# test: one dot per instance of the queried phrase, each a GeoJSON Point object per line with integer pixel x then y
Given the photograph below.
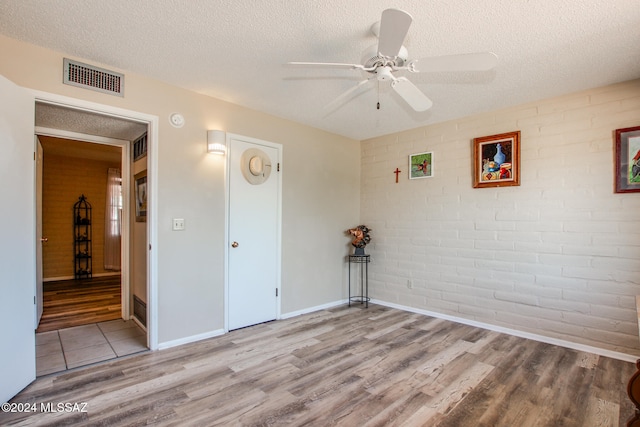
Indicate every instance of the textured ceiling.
{"type": "Point", "coordinates": [83, 122]}
{"type": "Point", "coordinates": [235, 50]}
{"type": "Point", "coordinates": [62, 118]}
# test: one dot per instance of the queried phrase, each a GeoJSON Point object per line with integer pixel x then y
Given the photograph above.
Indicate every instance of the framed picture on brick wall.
{"type": "Point", "coordinates": [496, 160]}
{"type": "Point", "coordinates": [627, 160]}
{"type": "Point", "coordinates": [421, 165]}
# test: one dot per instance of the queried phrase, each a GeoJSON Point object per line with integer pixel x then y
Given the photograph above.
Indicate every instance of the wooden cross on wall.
{"type": "Point", "coordinates": [397, 172]}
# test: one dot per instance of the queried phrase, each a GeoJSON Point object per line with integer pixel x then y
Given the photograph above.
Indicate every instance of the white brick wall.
{"type": "Point", "coordinates": [558, 256]}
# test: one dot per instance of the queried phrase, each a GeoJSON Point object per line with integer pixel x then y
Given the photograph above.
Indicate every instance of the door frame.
{"type": "Point", "coordinates": [227, 238]}
{"type": "Point", "coordinates": [38, 178]}
{"type": "Point", "coordinates": [152, 123]}
{"type": "Point", "coordinates": [125, 167]}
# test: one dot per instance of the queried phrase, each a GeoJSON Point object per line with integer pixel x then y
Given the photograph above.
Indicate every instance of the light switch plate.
{"type": "Point", "coordinates": [178, 224]}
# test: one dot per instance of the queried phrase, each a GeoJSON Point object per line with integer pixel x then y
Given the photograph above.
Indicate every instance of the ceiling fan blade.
{"type": "Point", "coordinates": [410, 93]}
{"type": "Point", "coordinates": [482, 61]}
{"type": "Point", "coordinates": [394, 26]}
{"type": "Point", "coordinates": [326, 65]}
{"type": "Point", "coordinates": [347, 96]}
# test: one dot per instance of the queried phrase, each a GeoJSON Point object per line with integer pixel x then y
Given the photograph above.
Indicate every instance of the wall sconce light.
{"type": "Point", "coordinates": [216, 141]}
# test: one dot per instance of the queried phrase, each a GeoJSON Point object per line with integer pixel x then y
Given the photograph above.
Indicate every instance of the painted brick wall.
{"type": "Point", "coordinates": [558, 256]}
{"type": "Point", "coordinates": [64, 180]}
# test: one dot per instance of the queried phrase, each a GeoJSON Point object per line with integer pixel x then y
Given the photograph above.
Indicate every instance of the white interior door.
{"type": "Point", "coordinates": [40, 239]}
{"type": "Point", "coordinates": [254, 232]}
{"type": "Point", "coordinates": [17, 240]}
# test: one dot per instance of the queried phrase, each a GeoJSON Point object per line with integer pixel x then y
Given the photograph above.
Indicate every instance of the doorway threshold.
{"type": "Point", "coordinates": [71, 348]}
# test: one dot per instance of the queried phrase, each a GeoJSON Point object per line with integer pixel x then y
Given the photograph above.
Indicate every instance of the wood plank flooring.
{"type": "Point", "coordinates": [348, 367]}
{"type": "Point", "coordinates": [70, 303]}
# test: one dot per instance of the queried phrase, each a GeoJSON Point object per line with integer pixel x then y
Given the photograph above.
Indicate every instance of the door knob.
{"type": "Point", "coordinates": [44, 239]}
{"type": "Point", "coordinates": [234, 245]}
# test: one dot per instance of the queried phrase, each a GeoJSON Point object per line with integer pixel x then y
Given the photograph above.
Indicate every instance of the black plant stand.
{"type": "Point", "coordinates": [82, 239]}
{"type": "Point", "coordinates": [363, 262]}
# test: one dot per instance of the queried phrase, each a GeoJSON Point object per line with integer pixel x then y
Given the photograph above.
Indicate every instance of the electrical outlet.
{"type": "Point", "coordinates": [178, 224]}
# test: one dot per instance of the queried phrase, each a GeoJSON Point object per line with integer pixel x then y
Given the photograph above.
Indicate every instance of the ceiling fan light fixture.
{"type": "Point", "coordinates": [384, 74]}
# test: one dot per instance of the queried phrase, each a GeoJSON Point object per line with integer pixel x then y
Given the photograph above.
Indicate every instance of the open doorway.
{"type": "Point", "coordinates": [88, 292]}
{"type": "Point", "coordinates": [81, 257]}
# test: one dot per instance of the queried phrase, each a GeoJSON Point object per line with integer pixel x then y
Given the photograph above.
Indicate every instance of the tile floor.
{"type": "Point", "coordinates": [83, 345]}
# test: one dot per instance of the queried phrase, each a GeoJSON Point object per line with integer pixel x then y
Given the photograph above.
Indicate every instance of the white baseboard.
{"type": "Point", "coordinates": [112, 273]}
{"type": "Point", "coordinates": [312, 309]}
{"type": "Point", "coordinates": [540, 338]}
{"type": "Point", "coordinates": [535, 337]}
{"type": "Point", "coordinates": [137, 322]}
{"type": "Point", "coordinates": [218, 332]}
{"type": "Point", "coordinates": [57, 279]}
{"type": "Point", "coordinates": [193, 338]}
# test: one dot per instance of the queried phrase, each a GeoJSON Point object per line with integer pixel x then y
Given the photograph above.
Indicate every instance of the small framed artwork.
{"type": "Point", "coordinates": [141, 196]}
{"type": "Point", "coordinates": [421, 165]}
{"type": "Point", "coordinates": [496, 160]}
{"type": "Point", "coordinates": [627, 161]}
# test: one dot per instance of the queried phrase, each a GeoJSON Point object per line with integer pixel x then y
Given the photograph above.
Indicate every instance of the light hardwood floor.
{"type": "Point", "coordinates": [69, 303]}
{"type": "Point", "coordinates": [345, 366]}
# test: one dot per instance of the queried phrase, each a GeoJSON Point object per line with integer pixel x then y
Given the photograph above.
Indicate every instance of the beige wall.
{"type": "Point", "coordinates": [320, 197]}
{"type": "Point", "coordinates": [558, 256]}
{"type": "Point", "coordinates": [64, 180]}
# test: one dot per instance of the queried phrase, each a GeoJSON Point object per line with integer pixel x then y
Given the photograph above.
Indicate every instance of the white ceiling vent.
{"type": "Point", "coordinates": [94, 78]}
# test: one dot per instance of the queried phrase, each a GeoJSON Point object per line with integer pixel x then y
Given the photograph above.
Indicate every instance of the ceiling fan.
{"type": "Point", "coordinates": [389, 55]}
